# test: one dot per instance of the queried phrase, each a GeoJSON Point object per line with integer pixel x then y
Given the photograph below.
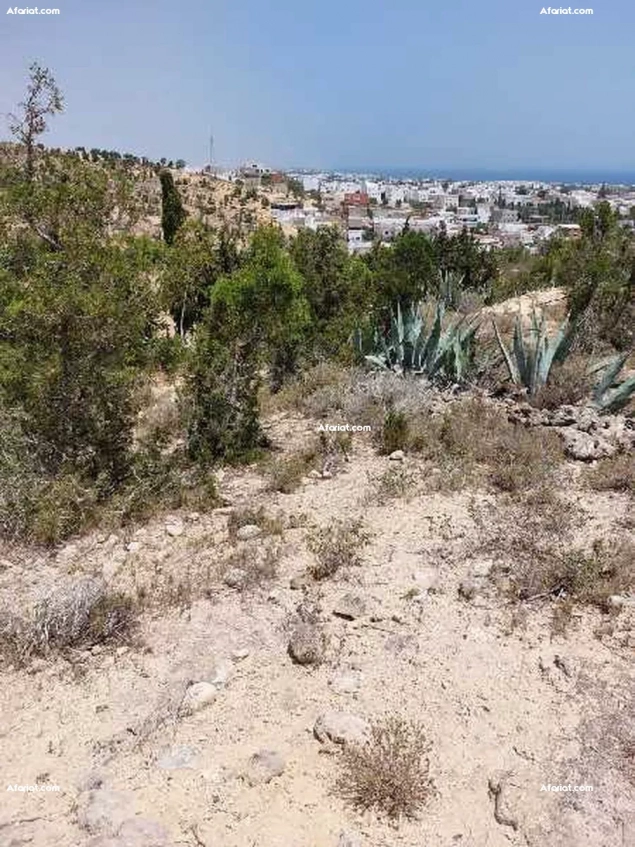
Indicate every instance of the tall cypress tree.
{"type": "Point", "coordinates": [172, 211]}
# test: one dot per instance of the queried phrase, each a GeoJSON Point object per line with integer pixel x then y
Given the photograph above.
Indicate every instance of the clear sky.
{"type": "Point", "coordinates": [337, 83]}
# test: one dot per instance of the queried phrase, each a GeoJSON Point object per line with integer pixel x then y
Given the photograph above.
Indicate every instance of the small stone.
{"type": "Point", "coordinates": [174, 528]}
{"type": "Point", "coordinates": [220, 675]}
{"type": "Point", "coordinates": [426, 579]}
{"type": "Point", "coordinates": [346, 683]}
{"type": "Point", "coordinates": [470, 588]}
{"type": "Point", "coordinates": [133, 546]}
{"type": "Point", "coordinates": [618, 601]}
{"type": "Point", "coordinates": [197, 696]}
{"type": "Point", "coordinates": [177, 758]}
{"type": "Point", "coordinates": [300, 581]}
{"type": "Point", "coordinates": [341, 728]}
{"type": "Point", "coordinates": [103, 811]}
{"type": "Point", "coordinates": [235, 578]}
{"type": "Point", "coordinates": [307, 644]}
{"type": "Point", "coordinates": [37, 665]}
{"type": "Point", "coordinates": [263, 766]}
{"type": "Point", "coordinates": [194, 517]}
{"type": "Point", "coordinates": [142, 832]}
{"type": "Point", "coordinates": [240, 653]}
{"type": "Point", "coordinates": [350, 606]}
{"type": "Point", "coordinates": [397, 456]}
{"type": "Point", "coordinates": [327, 474]}
{"type": "Point", "coordinates": [96, 649]}
{"type": "Point", "coordinates": [348, 839]}
{"type": "Point", "coordinates": [250, 530]}
{"type": "Point", "coordinates": [585, 447]}
{"type": "Point", "coordinates": [315, 474]}
{"type": "Point", "coordinates": [483, 568]}
{"type": "Point", "coordinates": [121, 651]}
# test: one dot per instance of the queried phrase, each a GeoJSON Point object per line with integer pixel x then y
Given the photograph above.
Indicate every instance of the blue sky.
{"type": "Point", "coordinates": [445, 84]}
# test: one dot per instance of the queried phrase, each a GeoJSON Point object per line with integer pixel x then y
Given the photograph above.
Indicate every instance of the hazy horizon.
{"type": "Point", "coordinates": [436, 88]}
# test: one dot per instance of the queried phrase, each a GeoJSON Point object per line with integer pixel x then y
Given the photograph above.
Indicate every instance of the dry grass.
{"type": "Point", "coordinates": [586, 576]}
{"type": "Point", "coordinates": [614, 474]}
{"type": "Point", "coordinates": [257, 565]}
{"type": "Point", "coordinates": [78, 613]}
{"type": "Point", "coordinates": [473, 442]}
{"type": "Point", "coordinates": [325, 452]}
{"type": "Point", "coordinates": [390, 773]}
{"type": "Point", "coordinates": [258, 517]}
{"type": "Point", "coordinates": [569, 383]}
{"type": "Point", "coordinates": [336, 546]}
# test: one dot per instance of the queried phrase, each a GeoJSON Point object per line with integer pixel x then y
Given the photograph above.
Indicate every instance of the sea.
{"type": "Point", "coordinates": [531, 174]}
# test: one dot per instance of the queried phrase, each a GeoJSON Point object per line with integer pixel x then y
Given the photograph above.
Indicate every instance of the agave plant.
{"type": "Point", "coordinates": [530, 359]}
{"type": "Point", "coordinates": [609, 394]}
{"type": "Point", "coordinates": [407, 345]}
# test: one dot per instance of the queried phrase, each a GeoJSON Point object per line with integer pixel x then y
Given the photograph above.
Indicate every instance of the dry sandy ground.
{"type": "Point", "coordinates": [505, 702]}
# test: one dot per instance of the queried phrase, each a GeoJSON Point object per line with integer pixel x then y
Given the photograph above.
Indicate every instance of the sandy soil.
{"type": "Point", "coordinates": [508, 705]}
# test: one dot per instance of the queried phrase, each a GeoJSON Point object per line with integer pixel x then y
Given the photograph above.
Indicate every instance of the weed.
{"type": "Point", "coordinates": [614, 474]}
{"type": "Point", "coordinates": [336, 546]}
{"type": "Point", "coordinates": [390, 772]}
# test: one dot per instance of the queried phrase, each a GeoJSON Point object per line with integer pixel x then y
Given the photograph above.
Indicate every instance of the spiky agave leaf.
{"type": "Point", "coordinates": [610, 368]}
{"type": "Point", "coordinates": [619, 397]}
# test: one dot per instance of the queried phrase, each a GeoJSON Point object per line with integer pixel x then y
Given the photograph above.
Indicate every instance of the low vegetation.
{"type": "Point", "coordinates": [336, 547]}
{"type": "Point", "coordinates": [388, 774]}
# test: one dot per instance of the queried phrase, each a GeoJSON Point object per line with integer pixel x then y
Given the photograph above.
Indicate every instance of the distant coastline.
{"type": "Point", "coordinates": [554, 175]}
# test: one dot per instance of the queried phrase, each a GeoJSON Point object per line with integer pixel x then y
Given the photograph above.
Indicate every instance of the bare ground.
{"type": "Point", "coordinates": [509, 704]}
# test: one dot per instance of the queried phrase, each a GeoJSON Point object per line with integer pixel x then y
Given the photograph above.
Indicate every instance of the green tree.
{"type": "Point", "coordinates": [43, 100]}
{"type": "Point", "coordinates": [172, 212]}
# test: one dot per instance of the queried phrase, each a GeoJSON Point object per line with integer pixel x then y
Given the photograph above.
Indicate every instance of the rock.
{"type": "Point", "coordinates": [250, 530]}
{"type": "Point", "coordinates": [470, 588]}
{"type": "Point", "coordinates": [585, 447]}
{"type": "Point", "coordinates": [177, 758]}
{"type": "Point", "coordinates": [197, 696]}
{"type": "Point", "coordinates": [346, 683]}
{"type": "Point", "coordinates": [327, 474]}
{"type": "Point", "coordinates": [348, 838]}
{"type": "Point", "coordinates": [350, 606]}
{"type": "Point", "coordinates": [91, 781]}
{"type": "Point", "coordinates": [426, 579]}
{"type": "Point", "coordinates": [397, 456]}
{"type": "Point", "coordinates": [307, 644]}
{"type": "Point", "coordinates": [133, 546]}
{"type": "Point", "coordinates": [314, 474]}
{"type": "Point", "coordinates": [174, 528]}
{"type": "Point", "coordinates": [103, 811]}
{"type": "Point", "coordinates": [135, 832]}
{"type": "Point", "coordinates": [300, 581]}
{"type": "Point", "coordinates": [220, 675]}
{"type": "Point", "coordinates": [483, 568]}
{"type": "Point", "coordinates": [240, 653]}
{"type": "Point", "coordinates": [341, 728]}
{"type": "Point", "coordinates": [618, 601]}
{"type": "Point", "coordinates": [263, 766]}
{"type": "Point", "coordinates": [37, 665]}
{"type": "Point", "coordinates": [235, 578]}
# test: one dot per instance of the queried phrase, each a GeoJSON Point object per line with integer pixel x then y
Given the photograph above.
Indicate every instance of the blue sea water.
{"type": "Point", "coordinates": [560, 176]}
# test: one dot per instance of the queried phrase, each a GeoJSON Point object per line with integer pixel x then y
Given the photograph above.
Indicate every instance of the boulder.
{"type": "Point", "coordinates": [341, 728]}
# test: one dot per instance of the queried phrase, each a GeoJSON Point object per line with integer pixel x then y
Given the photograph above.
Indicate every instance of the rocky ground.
{"type": "Point", "coordinates": [222, 721]}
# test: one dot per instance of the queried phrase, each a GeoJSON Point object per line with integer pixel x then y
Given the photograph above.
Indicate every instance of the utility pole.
{"type": "Point", "coordinates": [211, 152]}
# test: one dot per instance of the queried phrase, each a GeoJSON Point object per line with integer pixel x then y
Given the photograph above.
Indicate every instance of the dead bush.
{"type": "Point", "coordinates": [78, 613]}
{"type": "Point", "coordinates": [569, 383]}
{"type": "Point", "coordinates": [586, 576]}
{"type": "Point", "coordinates": [390, 772]}
{"type": "Point", "coordinates": [336, 546]}
{"type": "Point", "coordinates": [614, 474]}
{"type": "Point", "coordinates": [258, 517]}
{"type": "Point", "coordinates": [253, 565]}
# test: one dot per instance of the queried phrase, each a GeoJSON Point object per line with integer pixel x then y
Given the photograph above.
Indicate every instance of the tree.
{"type": "Point", "coordinates": [339, 288]}
{"type": "Point", "coordinates": [197, 258]}
{"type": "Point", "coordinates": [43, 100]}
{"type": "Point", "coordinates": [172, 212]}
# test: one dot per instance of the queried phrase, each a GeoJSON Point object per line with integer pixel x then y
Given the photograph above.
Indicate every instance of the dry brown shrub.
{"type": "Point", "coordinates": [614, 474]}
{"type": "Point", "coordinates": [390, 772]}
{"type": "Point", "coordinates": [568, 384]}
{"type": "Point", "coordinates": [336, 546]}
